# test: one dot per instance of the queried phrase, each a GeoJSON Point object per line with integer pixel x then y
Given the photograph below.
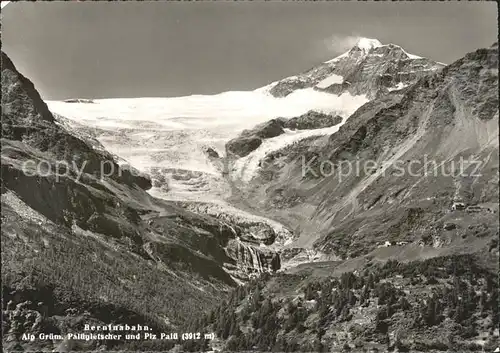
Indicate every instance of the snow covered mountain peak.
{"type": "Point", "coordinates": [369, 68]}
{"type": "Point", "coordinates": [368, 46]}
{"type": "Point", "coordinates": [368, 43]}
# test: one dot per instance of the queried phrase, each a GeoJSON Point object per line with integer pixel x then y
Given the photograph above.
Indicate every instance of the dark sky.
{"type": "Point", "coordinates": [145, 49]}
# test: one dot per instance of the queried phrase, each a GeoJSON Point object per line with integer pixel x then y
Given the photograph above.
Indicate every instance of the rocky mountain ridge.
{"type": "Point", "coordinates": [368, 68]}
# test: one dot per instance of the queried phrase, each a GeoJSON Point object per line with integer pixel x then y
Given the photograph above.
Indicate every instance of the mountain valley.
{"type": "Point", "coordinates": [352, 207]}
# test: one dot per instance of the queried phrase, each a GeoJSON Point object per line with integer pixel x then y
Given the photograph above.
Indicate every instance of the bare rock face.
{"type": "Point", "coordinates": [252, 247]}
{"type": "Point", "coordinates": [288, 85]}
{"type": "Point", "coordinates": [229, 250]}
{"type": "Point", "coordinates": [211, 152]}
{"type": "Point", "coordinates": [250, 140]}
{"type": "Point", "coordinates": [251, 260]}
{"type": "Point", "coordinates": [395, 168]}
{"type": "Point", "coordinates": [242, 146]}
{"type": "Point", "coordinates": [311, 120]}
{"type": "Point", "coordinates": [269, 129]}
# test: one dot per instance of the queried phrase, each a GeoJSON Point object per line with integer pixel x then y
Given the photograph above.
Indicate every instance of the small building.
{"type": "Point", "coordinates": [458, 206]}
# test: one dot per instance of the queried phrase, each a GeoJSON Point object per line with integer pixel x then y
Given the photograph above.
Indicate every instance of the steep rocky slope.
{"type": "Point", "coordinates": [82, 241]}
{"type": "Point", "coordinates": [398, 172]}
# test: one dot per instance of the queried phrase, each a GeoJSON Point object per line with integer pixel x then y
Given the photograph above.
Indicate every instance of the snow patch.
{"type": "Point", "coordinates": [330, 80]}
{"type": "Point", "coordinates": [399, 86]}
{"type": "Point", "coordinates": [411, 56]}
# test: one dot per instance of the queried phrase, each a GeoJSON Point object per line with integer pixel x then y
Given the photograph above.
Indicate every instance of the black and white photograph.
{"type": "Point", "coordinates": [249, 176]}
